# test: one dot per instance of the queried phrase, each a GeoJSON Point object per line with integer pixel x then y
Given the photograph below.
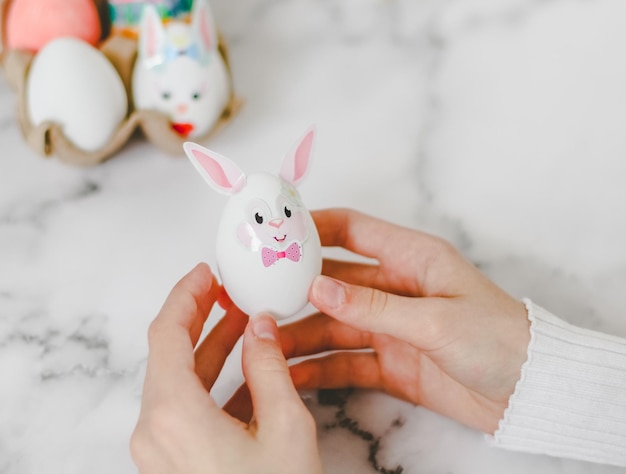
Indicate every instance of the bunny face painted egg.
{"type": "Point", "coordinates": [180, 72]}
{"type": "Point", "coordinates": [268, 249]}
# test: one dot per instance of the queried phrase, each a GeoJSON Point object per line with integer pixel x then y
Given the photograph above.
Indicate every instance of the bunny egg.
{"type": "Point", "coordinates": [180, 71]}
{"type": "Point", "coordinates": [268, 249]}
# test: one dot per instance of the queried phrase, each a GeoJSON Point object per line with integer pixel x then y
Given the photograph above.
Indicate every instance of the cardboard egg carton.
{"type": "Point", "coordinates": [48, 139]}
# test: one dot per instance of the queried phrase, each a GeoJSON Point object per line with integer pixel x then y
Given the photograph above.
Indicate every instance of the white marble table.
{"type": "Point", "coordinates": [500, 125]}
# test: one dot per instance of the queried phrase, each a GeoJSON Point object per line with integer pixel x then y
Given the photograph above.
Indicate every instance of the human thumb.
{"type": "Point", "coordinates": [266, 371]}
{"type": "Point", "coordinates": [373, 310]}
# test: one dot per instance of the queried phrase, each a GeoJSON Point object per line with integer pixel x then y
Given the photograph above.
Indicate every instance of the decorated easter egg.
{"type": "Point", "coordinates": [73, 85]}
{"type": "Point", "coordinates": [31, 24]}
{"type": "Point", "coordinates": [268, 248]}
{"type": "Point", "coordinates": [180, 72]}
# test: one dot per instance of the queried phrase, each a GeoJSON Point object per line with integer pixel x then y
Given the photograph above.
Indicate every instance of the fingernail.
{"type": "Point", "coordinates": [264, 327]}
{"type": "Point", "coordinates": [329, 291]}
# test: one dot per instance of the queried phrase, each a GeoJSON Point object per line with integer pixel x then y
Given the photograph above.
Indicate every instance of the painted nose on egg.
{"type": "Point", "coordinates": [276, 223]}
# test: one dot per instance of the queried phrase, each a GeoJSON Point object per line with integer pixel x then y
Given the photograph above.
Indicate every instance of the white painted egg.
{"type": "Point", "coordinates": [268, 250]}
{"type": "Point", "coordinates": [180, 72]}
{"type": "Point", "coordinates": [73, 84]}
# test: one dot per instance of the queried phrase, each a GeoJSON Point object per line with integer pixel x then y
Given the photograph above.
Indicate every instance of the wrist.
{"type": "Point", "coordinates": [512, 360]}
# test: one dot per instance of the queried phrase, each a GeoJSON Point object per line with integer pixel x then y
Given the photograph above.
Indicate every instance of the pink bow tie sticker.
{"type": "Point", "coordinates": [271, 256]}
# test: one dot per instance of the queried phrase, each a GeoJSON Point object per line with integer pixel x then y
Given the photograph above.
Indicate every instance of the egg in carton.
{"type": "Point", "coordinates": [268, 250]}
{"type": "Point", "coordinates": [179, 71]}
{"type": "Point", "coordinates": [75, 101]}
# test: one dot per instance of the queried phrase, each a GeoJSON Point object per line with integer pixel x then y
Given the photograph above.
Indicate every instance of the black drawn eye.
{"type": "Point", "coordinates": [287, 212]}
{"type": "Point", "coordinates": [196, 96]}
{"type": "Point", "coordinates": [258, 218]}
{"type": "Point", "coordinates": [166, 95]}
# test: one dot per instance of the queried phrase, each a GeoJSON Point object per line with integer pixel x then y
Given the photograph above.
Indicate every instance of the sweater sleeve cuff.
{"type": "Point", "coordinates": [570, 400]}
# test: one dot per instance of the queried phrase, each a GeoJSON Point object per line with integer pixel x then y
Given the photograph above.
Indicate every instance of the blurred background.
{"type": "Point", "coordinates": [497, 124]}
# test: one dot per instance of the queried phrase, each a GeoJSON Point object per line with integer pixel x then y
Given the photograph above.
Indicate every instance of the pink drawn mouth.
{"type": "Point", "coordinates": [280, 239]}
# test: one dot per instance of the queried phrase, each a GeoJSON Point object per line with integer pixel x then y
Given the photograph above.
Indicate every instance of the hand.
{"type": "Point", "coordinates": [180, 427]}
{"type": "Point", "coordinates": [442, 335]}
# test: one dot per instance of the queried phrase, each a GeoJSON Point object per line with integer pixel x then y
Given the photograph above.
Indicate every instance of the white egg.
{"type": "Point", "coordinates": [268, 248]}
{"type": "Point", "coordinates": [180, 72]}
{"type": "Point", "coordinates": [73, 84]}
{"type": "Point", "coordinates": [266, 259]}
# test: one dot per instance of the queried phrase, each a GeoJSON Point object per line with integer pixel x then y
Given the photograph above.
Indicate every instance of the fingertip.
{"type": "Point", "coordinates": [201, 276]}
{"type": "Point", "coordinates": [263, 326]}
{"type": "Point", "coordinates": [202, 268]}
{"type": "Point", "coordinates": [224, 300]}
{"type": "Point", "coordinates": [327, 293]}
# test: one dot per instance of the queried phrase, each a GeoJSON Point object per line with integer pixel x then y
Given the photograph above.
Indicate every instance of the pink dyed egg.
{"type": "Point", "coordinates": [31, 24]}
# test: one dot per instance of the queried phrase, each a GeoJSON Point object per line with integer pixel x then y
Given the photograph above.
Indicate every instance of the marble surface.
{"type": "Point", "coordinates": [499, 124]}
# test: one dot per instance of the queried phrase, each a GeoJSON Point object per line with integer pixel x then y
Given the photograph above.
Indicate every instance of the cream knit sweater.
{"type": "Point", "coordinates": [570, 401]}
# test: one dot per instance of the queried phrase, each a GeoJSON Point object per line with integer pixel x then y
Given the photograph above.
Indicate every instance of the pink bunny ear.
{"type": "Point", "coordinates": [222, 174]}
{"type": "Point", "coordinates": [152, 34]}
{"type": "Point", "coordinates": [296, 163]}
{"type": "Point", "coordinates": [203, 25]}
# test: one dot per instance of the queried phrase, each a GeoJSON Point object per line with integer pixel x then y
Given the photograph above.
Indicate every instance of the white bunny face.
{"type": "Point", "coordinates": [268, 249]}
{"type": "Point", "coordinates": [180, 72]}
{"type": "Point", "coordinates": [273, 223]}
